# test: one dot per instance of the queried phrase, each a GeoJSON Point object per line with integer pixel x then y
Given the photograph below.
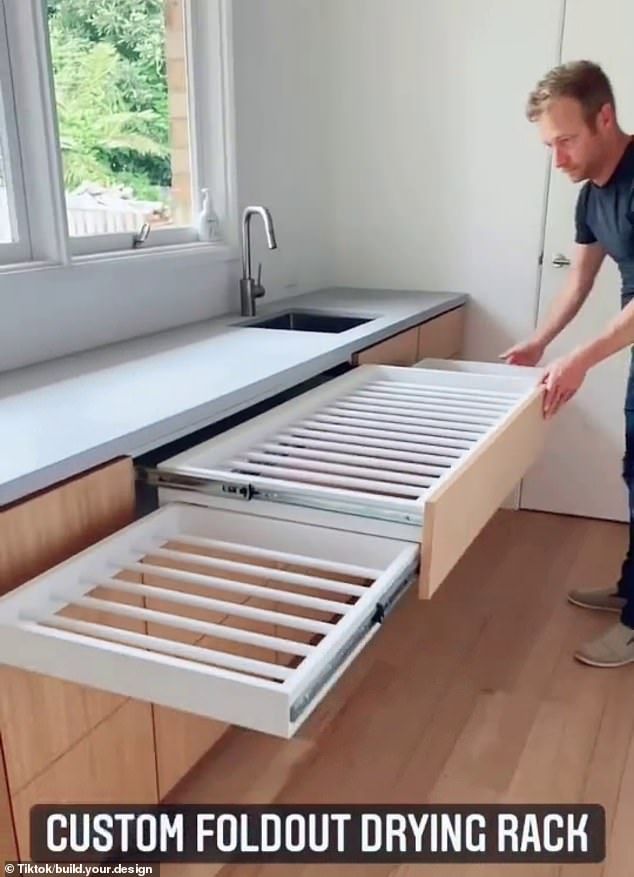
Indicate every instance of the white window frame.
{"type": "Point", "coordinates": [18, 250]}
{"type": "Point", "coordinates": [40, 201]}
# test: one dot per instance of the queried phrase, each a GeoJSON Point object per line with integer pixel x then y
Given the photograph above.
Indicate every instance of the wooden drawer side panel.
{"type": "Point", "coordinates": [457, 513]}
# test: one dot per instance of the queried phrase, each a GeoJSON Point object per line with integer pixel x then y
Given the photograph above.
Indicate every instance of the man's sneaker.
{"type": "Point", "coordinates": [605, 599]}
{"type": "Point", "coordinates": [614, 649]}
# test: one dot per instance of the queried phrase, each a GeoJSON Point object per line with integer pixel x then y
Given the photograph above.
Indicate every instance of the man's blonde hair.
{"type": "Point", "coordinates": [584, 81]}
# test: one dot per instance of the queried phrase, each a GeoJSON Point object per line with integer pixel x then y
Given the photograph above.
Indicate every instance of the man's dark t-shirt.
{"type": "Point", "coordinates": [606, 214]}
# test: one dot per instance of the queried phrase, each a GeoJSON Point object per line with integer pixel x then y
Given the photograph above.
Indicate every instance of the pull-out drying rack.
{"type": "Point", "coordinates": [209, 613]}
{"type": "Point", "coordinates": [282, 545]}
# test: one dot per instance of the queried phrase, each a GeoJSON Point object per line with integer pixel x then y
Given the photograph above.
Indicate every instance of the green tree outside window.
{"type": "Point", "coordinates": [111, 93]}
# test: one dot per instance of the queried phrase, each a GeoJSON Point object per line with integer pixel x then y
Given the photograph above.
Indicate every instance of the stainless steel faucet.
{"type": "Point", "coordinates": [251, 289]}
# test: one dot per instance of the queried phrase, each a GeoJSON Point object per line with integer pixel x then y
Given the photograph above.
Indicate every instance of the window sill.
{"type": "Point", "coordinates": [213, 252]}
{"type": "Point", "coordinates": [217, 252]}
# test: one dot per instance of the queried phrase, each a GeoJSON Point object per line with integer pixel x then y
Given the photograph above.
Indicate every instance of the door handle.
{"type": "Point", "coordinates": [561, 261]}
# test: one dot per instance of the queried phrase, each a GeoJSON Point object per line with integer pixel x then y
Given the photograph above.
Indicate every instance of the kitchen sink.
{"type": "Point", "coordinates": [307, 321]}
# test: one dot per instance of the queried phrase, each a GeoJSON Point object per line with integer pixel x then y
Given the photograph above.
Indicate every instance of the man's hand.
{"type": "Point", "coordinates": [525, 353]}
{"type": "Point", "coordinates": [562, 378]}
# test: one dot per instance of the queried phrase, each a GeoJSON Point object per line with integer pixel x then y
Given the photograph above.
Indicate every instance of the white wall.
{"type": "Point", "coordinates": [282, 123]}
{"type": "Point", "coordinates": [48, 313]}
{"type": "Point", "coordinates": [438, 178]}
{"type": "Point", "coordinates": [279, 118]}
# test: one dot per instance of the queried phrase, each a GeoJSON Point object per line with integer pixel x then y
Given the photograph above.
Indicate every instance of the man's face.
{"type": "Point", "coordinates": [578, 150]}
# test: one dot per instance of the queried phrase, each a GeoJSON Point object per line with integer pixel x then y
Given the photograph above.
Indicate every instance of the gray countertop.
{"type": "Point", "coordinates": [62, 417]}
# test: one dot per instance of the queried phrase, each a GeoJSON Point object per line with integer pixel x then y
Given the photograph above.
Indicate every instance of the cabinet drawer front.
{"type": "Point", "coordinates": [464, 503]}
{"type": "Point", "coordinates": [314, 598]}
{"type": "Point", "coordinates": [460, 508]}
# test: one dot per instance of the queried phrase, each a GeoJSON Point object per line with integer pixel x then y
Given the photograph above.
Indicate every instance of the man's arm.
{"type": "Point", "coordinates": [586, 261]}
{"type": "Point", "coordinates": [564, 376]}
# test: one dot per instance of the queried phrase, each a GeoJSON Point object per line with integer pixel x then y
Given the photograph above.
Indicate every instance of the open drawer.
{"type": "Point", "coordinates": [422, 454]}
{"type": "Point", "coordinates": [216, 613]}
{"type": "Point", "coordinates": [280, 546]}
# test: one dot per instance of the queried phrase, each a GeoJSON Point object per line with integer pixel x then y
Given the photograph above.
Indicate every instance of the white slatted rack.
{"type": "Point", "coordinates": [379, 439]}
{"type": "Point", "coordinates": [217, 613]}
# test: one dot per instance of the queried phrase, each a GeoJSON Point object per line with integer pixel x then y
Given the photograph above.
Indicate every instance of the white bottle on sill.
{"type": "Point", "coordinates": [208, 222]}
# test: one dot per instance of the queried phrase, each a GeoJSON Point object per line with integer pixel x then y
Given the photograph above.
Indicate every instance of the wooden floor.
{"type": "Point", "coordinates": [471, 698]}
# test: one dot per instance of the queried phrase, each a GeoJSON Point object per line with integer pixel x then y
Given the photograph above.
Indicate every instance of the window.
{"type": "Point", "coordinates": [102, 146]}
{"type": "Point", "coordinates": [120, 82]}
{"type": "Point", "coordinates": [14, 243]}
{"type": "Point", "coordinates": [7, 234]}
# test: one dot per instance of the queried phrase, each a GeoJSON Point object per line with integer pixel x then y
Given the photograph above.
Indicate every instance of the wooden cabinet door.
{"type": "Point", "coordinates": [182, 739]}
{"type": "Point", "coordinates": [42, 530]}
{"type": "Point", "coordinates": [35, 534]}
{"type": "Point", "coordinates": [442, 336]}
{"type": "Point", "coordinates": [401, 349]}
{"type": "Point", "coordinates": [113, 764]}
{"type": "Point", "coordinates": [38, 533]}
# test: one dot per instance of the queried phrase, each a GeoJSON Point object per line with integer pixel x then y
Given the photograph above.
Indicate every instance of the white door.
{"type": "Point", "coordinates": [580, 472]}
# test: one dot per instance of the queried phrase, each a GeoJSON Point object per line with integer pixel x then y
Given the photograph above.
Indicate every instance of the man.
{"type": "Point", "coordinates": [575, 112]}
